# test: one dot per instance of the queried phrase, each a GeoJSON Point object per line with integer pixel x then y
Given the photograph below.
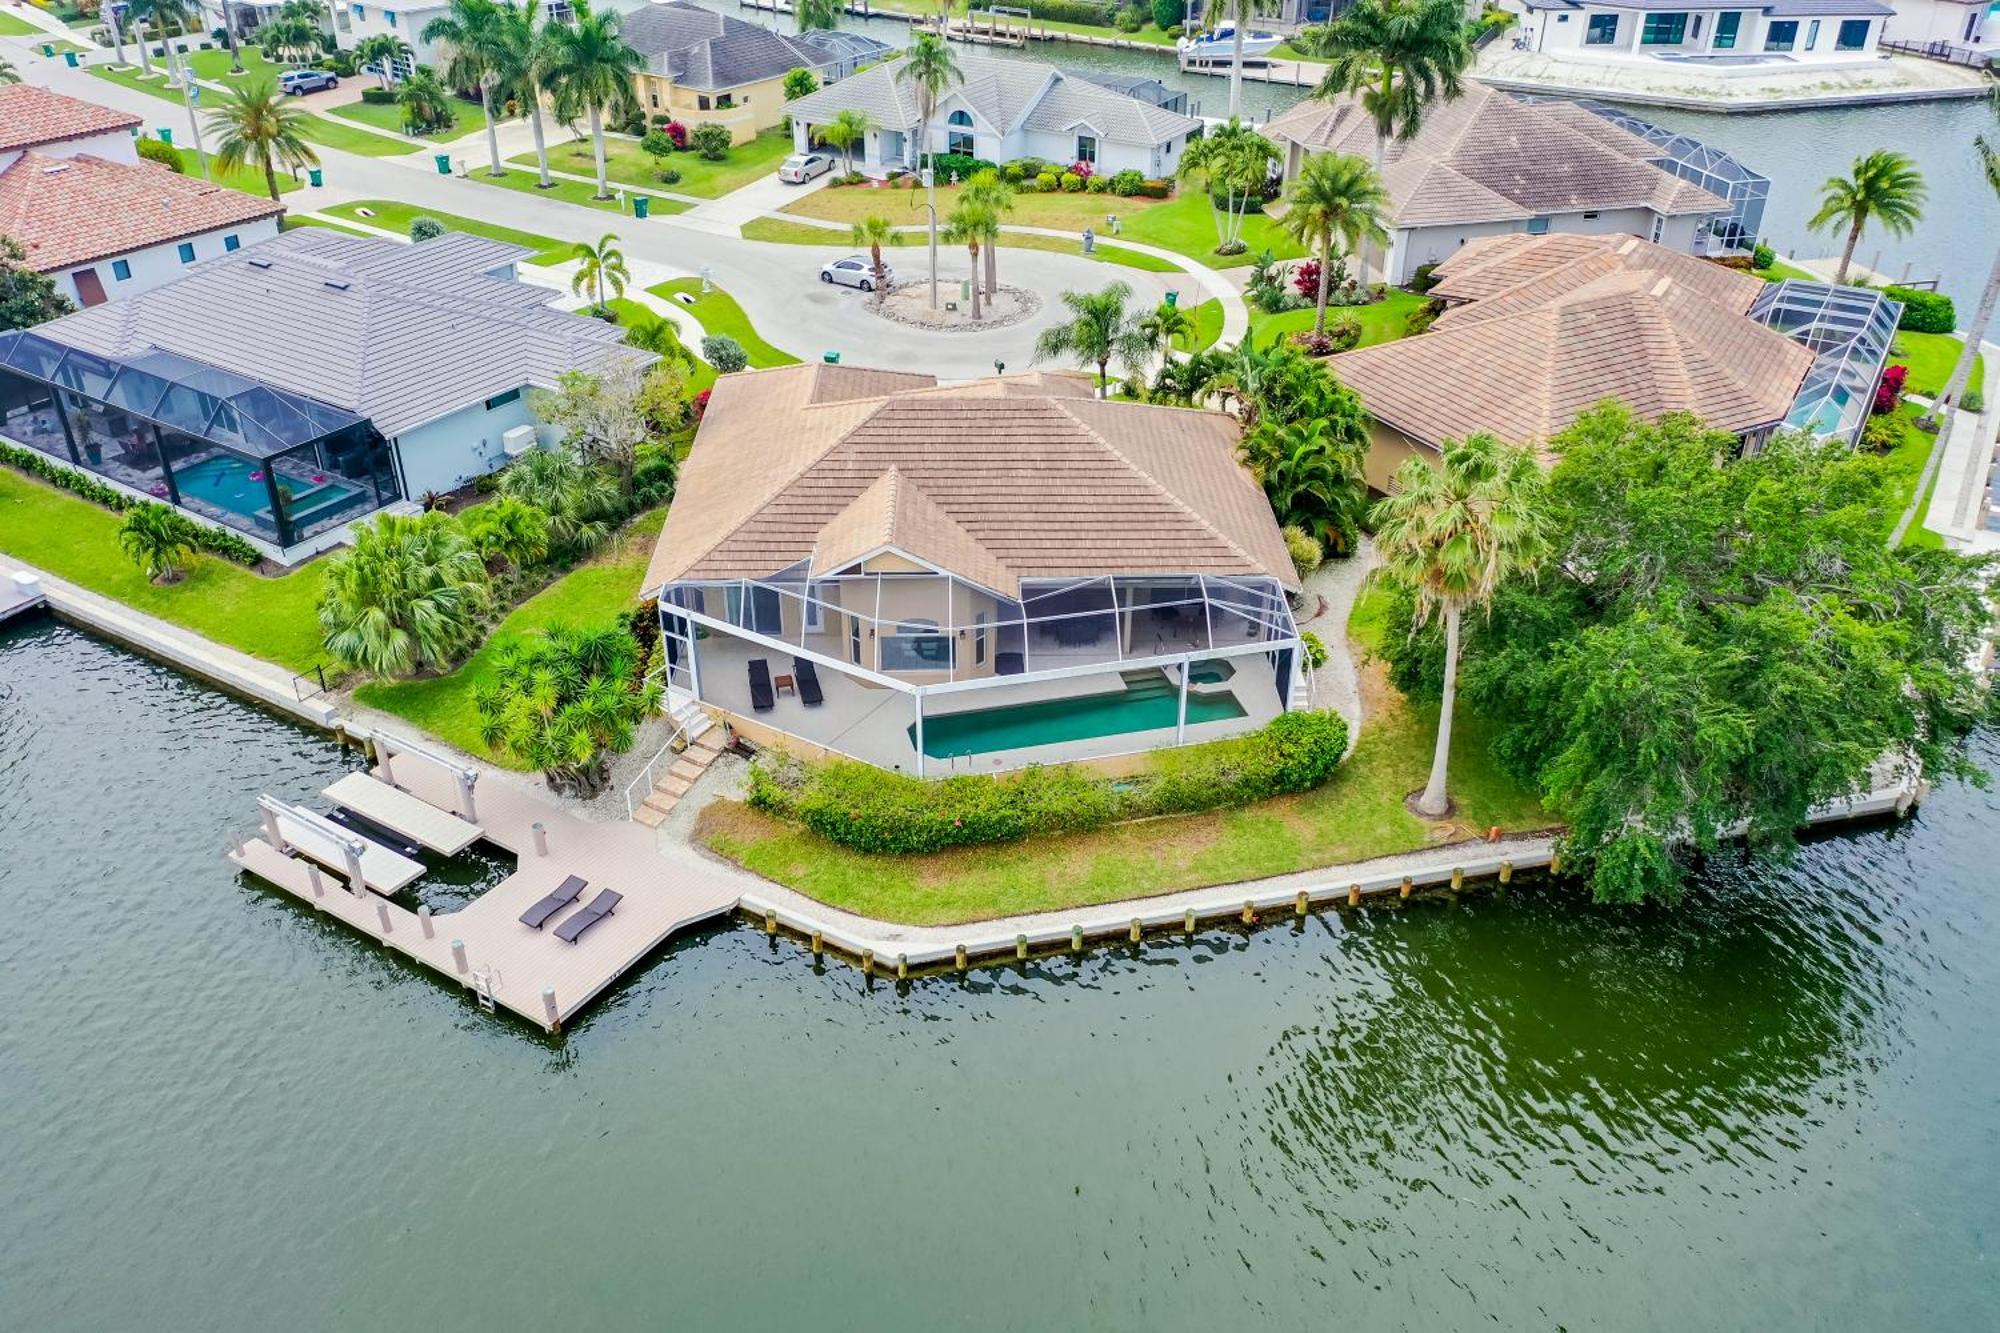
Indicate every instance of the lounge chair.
{"type": "Point", "coordinates": [761, 698]}
{"type": "Point", "coordinates": [594, 911]}
{"type": "Point", "coordinates": [807, 676]}
{"type": "Point", "coordinates": [566, 893]}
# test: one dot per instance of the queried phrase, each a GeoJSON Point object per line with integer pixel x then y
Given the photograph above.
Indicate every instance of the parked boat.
{"type": "Point", "coordinates": [1218, 46]}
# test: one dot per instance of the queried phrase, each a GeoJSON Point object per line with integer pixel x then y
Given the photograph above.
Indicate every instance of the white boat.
{"type": "Point", "coordinates": [1218, 46]}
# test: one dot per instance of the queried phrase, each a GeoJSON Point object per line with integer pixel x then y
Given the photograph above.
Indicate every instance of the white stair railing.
{"type": "Point", "coordinates": [645, 779]}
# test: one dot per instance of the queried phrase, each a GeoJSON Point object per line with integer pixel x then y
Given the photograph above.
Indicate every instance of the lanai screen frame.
{"type": "Point", "coordinates": [1849, 330]}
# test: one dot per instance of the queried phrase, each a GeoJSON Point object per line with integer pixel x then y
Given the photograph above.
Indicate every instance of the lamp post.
{"type": "Point", "coordinates": [191, 92]}
{"type": "Point", "coordinates": [930, 196]}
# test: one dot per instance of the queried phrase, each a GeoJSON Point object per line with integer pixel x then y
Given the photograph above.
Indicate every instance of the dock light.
{"type": "Point", "coordinates": [999, 366]}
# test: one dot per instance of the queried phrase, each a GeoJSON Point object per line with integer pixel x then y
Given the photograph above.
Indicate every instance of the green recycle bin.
{"type": "Point", "coordinates": [316, 176]}
{"type": "Point", "coordinates": [831, 358]}
{"type": "Point", "coordinates": [166, 135]}
{"type": "Point", "coordinates": [444, 163]}
{"type": "Point", "coordinates": [640, 203]}
{"type": "Point", "coordinates": [69, 58]}
{"type": "Point", "coordinates": [1173, 298]}
{"type": "Point", "coordinates": [49, 49]}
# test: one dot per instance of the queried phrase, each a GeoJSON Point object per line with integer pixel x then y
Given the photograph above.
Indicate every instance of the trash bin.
{"type": "Point", "coordinates": [1173, 297]}
{"type": "Point", "coordinates": [640, 203]}
{"type": "Point", "coordinates": [444, 163]}
{"type": "Point", "coordinates": [316, 176]}
{"type": "Point", "coordinates": [49, 49]}
{"type": "Point", "coordinates": [167, 134]}
{"type": "Point", "coordinates": [69, 58]}
{"type": "Point", "coordinates": [831, 358]}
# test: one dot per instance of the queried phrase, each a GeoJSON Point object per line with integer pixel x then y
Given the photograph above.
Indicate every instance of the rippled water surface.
{"type": "Point", "coordinates": [1770, 1108]}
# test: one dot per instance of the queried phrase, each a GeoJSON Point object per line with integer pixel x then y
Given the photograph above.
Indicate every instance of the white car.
{"type": "Point", "coordinates": [856, 271]}
{"type": "Point", "coordinates": [802, 167]}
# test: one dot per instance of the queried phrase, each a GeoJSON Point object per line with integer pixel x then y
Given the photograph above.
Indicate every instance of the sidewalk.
{"type": "Point", "coordinates": [1956, 510]}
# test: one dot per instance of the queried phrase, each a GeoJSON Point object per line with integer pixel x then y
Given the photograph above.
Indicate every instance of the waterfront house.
{"type": "Point", "coordinates": [1716, 36]}
{"type": "Point", "coordinates": [353, 21]}
{"type": "Point", "coordinates": [1002, 110]}
{"type": "Point", "coordinates": [705, 68]}
{"type": "Point", "coordinates": [1489, 164]}
{"type": "Point", "coordinates": [1541, 328]}
{"type": "Point", "coordinates": [286, 390]}
{"type": "Point", "coordinates": [1963, 29]}
{"type": "Point", "coordinates": [970, 577]}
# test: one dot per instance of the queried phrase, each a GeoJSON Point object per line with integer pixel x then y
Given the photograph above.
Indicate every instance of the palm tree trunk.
{"type": "Point", "coordinates": [1236, 72]}
{"type": "Point", "coordinates": [1435, 801]}
{"type": "Point", "coordinates": [1975, 333]}
{"type": "Point", "coordinates": [178, 74]}
{"type": "Point", "coordinates": [597, 143]}
{"type": "Point", "coordinates": [117, 35]}
{"type": "Point", "coordinates": [1325, 278]}
{"type": "Point", "coordinates": [271, 174]}
{"type": "Point", "coordinates": [229, 35]}
{"type": "Point", "coordinates": [492, 132]}
{"type": "Point", "coordinates": [973, 247]}
{"type": "Point", "coordinates": [1847, 251]}
{"type": "Point", "coordinates": [145, 54]}
{"type": "Point", "coordinates": [1104, 378]}
{"type": "Point", "coordinates": [541, 145]}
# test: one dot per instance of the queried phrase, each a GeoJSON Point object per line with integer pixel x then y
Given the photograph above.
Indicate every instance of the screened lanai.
{"type": "Point", "coordinates": [1850, 331]}
{"type": "Point", "coordinates": [1712, 169]}
{"type": "Point", "coordinates": [272, 464]}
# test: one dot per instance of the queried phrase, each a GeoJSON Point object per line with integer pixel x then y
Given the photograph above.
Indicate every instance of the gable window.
{"type": "Point", "coordinates": [1726, 26]}
{"type": "Point", "coordinates": [1664, 29]}
{"type": "Point", "coordinates": [231, 242]}
{"type": "Point", "coordinates": [958, 133]}
{"type": "Point", "coordinates": [1853, 35]}
{"type": "Point", "coordinates": [1086, 148]}
{"type": "Point", "coordinates": [121, 269]}
{"type": "Point", "coordinates": [186, 249]}
{"type": "Point", "coordinates": [1782, 35]}
{"type": "Point", "coordinates": [1603, 30]}
{"type": "Point", "coordinates": [1536, 227]}
{"type": "Point", "coordinates": [1812, 34]}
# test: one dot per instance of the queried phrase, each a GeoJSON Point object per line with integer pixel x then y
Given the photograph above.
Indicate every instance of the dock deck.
{"type": "Point", "coordinates": [383, 870]}
{"type": "Point", "coordinates": [417, 820]}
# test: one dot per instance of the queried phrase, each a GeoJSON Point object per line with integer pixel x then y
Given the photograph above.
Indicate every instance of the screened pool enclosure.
{"type": "Point", "coordinates": [1849, 331]}
{"type": "Point", "coordinates": [274, 465]}
{"type": "Point", "coordinates": [1712, 169]}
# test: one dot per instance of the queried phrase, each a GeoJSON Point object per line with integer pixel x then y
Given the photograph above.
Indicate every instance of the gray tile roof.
{"type": "Point", "coordinates": [698, 48]}
{"type": "Point", "coordinates": [1774, 8]}
{"type": "Point", "coordinates": [401, 334]}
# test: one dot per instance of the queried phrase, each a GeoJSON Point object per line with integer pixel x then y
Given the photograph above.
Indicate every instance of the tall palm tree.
{"type": "Point", "coordinates": [172, 17]}
{"type": "Point", "coordinates": [1103, 329]}
{"type": "Point", "coordinates": [139, 14]}
{"type": "Point", "coordinates": [844, 131]}
{"type": "Point", "coordinates": [293, 38]}
{"type": "Point", "coordinates": [600, 266]}
{"type": "Point", "coordinates": [1453, 532]}
{"type": "Point", "coordinates": [973, 224]}
{"type": "Point", "coordinates": [817, 14]}
{"type": "Point", "coordinates": [1234, 161]}
{"type": "Point", "coordinates": [1166, 325]}
{"type": "Point", "coordinates": [521, 60]}
{"type": "Point", "coordinates": [1335, 197]}
{"type": "Point", "coordinates": [229, 39]}
{"type": "Point", "coordinates": [1886, 187]}
{"type": "Point", "coordinates": [258, 128]}
{"type": "Point", "coordinates": [590, 69]}
{"type": "Point", "coordinates": [990, 192]}
{"type": "Point", "coordinates": [1240, 13]}
{"type": "Point", "coordinates": [471, 40]}
{"type": "Point", "coordinates": [930, 69]}
{"type": "Point", "coordinates": [382, 50]}
{"type": "Point", "coordinates": [876, 232]}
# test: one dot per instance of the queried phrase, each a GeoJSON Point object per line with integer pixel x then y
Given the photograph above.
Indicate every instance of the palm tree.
{"type": "Point", "coordinates": [471, 38]}
{"type": "Point", "coordinates": [929, 68]}
{"type": "Point", "coordinates": [172, 17]}
{"type": "Point", "coordinates": [660, 336]}
{"type": "Point", "coordinates": [1166, 325]}
{"type": "Point", "coordinates": [229, 39]}
{"type": "Point", "coordinates": [876, 232]}
{"type": "Point", "coordinates": [580, 498]}
{"type": "Point", "coordinates": [599, 266]}
{"type": "Point", "coordinates": [382, 50]}
{"type": "Point", "coordinates": [986, 189]}
{"type": "Point", "coordinates": [844, 131]}
{"type": "Point", "coordinates": [1234, 161]}
{"type": "Point", "coordinates": [293, 38]}
{"type": "Point", "coordinates": [159, 540]}
{"type": "Point", "coordinates": [521, 60]}
{"type": "Point", "coordinates": [1103, 329]}
{"type": "Point", "coordinates": [409, 594]}
{"type": "Point", "coordinates": [817, 14]}
{"type": "Point", "coordinates": [506, 531]}
{"type": "Point", "coordinates": [590, 68]}
{"type": "Point", "coordinates": [257, 128]}
{"type": "Point", "coordinates": [972, 224]}
{"type": "Point", "coordinates": [564, 700]}
{"type": "Point", "coordinates": [1335, 196]}
{"type": "Point", "coordinates": [426, 103]}
{"type": "Point", "coordinates": [1886, 187]}
{"type": "Point", "coordinates": [138, 13]}
{"type": "Point", "coordinates": [1453, 533]}
{"type": "Point", "coordinates": [1311, 471]}
{"type": "Point", "coordinates": [1189, 381]}
{"type": "Point", "coordinates": [8, 74]}
{"type": "Point", "coordinates": [1241, 13]}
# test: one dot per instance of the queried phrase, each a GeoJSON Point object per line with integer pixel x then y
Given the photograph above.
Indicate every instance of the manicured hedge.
{"type": "Point", "coordinates": [378, 96]}
{"type": "Point", "coordinates": [216, 540]}
{"type": "Point", "coordinates": [1923, 312]}
{"type": "Point", "coordinates": [1072, 11]}
{"type": "Point", "coordinates": [871, 810]}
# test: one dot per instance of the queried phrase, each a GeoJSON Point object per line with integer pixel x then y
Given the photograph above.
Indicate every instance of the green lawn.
{"type": "Point", "coordinates": [1780, 270]}
{"type": "Point", "coordinates": [1207, 327]}
{"type": "Point", "coordinates": [275, 619]}
{"type": "Point", "coordinates": [131, 77]}
{"type": "Point", "coordinates": [904, 207]}
{"type": "Point", "coordinates": [247, 179]}
{"type": "Point", "coordinates": [570, 192]}
{"type": "Point", "coordinates": [319, 130]}
{"type": "Point", "coordinates": [214, 65]}
{"type": "Point", "coordinates": [1185, 224]}
{"type": "Point", "coordinates": [589, 595]}
{"type": "Point", "coordinates": [628, 311]}
{"type": "Point", "coordinates": [718, 312]}
{"type": "Point", "coordinates": [1358, 814]}
{"type": "Point", "coordinates": [779, 232]}
{"type": "Point", "coordinates": [1906, 467]}
{"type": "Point", "coordinates": [1931, 357]}
{"type": "Point", "coordinates": [332, 134]}
{"type": "Point", "coordinates": [625, 161]}
{"type": "Point", "coordinates": [1380, 323]}
{"type": "Point", "coordinates": [468, 118]}
{"type": "Point", "coordinates": [393, 216]}
{"type": "Point", "coordinates": [17, 27]}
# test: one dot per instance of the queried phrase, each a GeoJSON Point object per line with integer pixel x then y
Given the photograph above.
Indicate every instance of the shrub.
{"type": "Point", "coordinates": [1973, 401]}
{"type": "Point", "coordinates": [1762, 255]}
{"type": "Point", "coordinates": [799, 82]}
{"type": "Point", "coordinates": [379, 96]}
{"type": "Point", "coordinates": [1071, 182]}
{"type": "Point", "coordinates": [699, 404]}
{"type": "Point", "coordinates": [678, 133]}
{"type": "Point", "coordinates": [1315, 650]}
{"type": "Point", "coordinates": [1128, 183]}
{"type": "Point", "coordinates": [1167, 13]}
{"type": "Point", "coordinates": [1304, 548]}
{"type": "Point", "coordinates": [1030, 166]}
{"type": "Point", "coordinates": [1094, 12]}
{"type": "Point", "coordinates": [710, 141]}
{"type": "Point", "coordinates": [960, 165]}
{"type": "Point", "coordinates": [152, 150]}
{"type": "Point", "coordinates": [1881, 434]}
{"type": "Point", "coordinates": [724, 353]}
{"type": "Point", "coordinates": [1128, 20]}
{"type": "Point", "coordinates": [1345, 334]}
{"type": "Point", "coordinates": [1156, 188]}
{"type": "Point", "coordinates": [1096, 185]}
{"type": "Point", "coordinates": [1235, 247]}
{"type": "Point", "coordinates": [1420, 319]}
{"type": "Point", "coordinates": [656, 144]}
{"type": "Point", "coordinates": [1174, 30]}
{"type": "Point", "coordinates": [1222, 200]}
{"type": "Point", "coordinates": [1048, 180]}
{"type": "Point", "coordinates": [1014, 173]}
{"type": "Point", "coordinates": [1923, 312]}
{"type": "Point", "coordinates": [1083, 168]}
{"type": "Point", "coordinates": [1424, 278]}
{"type": "Point", "coordinates": [426, 228]}
{"type": "Point", "coordinates": [1889, 391]}
{"type": "Point", "coordinates": [660, 118]}
{"type": "Point", "coordinates": [670, 175]}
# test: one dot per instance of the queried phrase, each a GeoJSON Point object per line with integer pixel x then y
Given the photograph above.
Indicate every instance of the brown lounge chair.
{"type": "Point", "coordinates": [606, 902]}
{"type": "Point", "coordinates": [566, 893]}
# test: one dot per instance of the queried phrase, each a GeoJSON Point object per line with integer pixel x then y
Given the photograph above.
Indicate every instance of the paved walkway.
{"type": "Point", "coordinates": [1957, 512]}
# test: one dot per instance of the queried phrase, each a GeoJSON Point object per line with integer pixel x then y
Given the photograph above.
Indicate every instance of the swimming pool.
{"type": "Point", "coordinates": [238, 486]}
{"type": "Point", "coordinates": [1145, 704]}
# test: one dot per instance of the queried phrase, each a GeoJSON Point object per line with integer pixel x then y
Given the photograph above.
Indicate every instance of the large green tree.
{"type": "Point", "coordinates": [409, 594]}
{"type": "Point", "coordinates": [475, 50]}
{"type": "Point", "coordinates": [1884, 187]}
{"type": "Point", "coordinates": [1335, 197]}
{"type": "Point", "coordinates": [589, 68]}
{"type": "Point", "coordinates": [1102, 328]}
{"type": "Point", "coordinates": [260, 130]}
{"type": "Point", "coordinates": [565, 701]}
{"type": "Point", "coordinates": [26, 296]}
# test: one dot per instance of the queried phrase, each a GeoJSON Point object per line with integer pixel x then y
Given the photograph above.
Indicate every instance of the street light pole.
{"type": "Point", "coordinates": [930, 193]}
{"type": "Point", "coordinates": [191, 91]}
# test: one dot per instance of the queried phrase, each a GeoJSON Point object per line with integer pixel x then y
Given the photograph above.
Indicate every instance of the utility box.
{"type": "Point", "coordinates": [517, 441]}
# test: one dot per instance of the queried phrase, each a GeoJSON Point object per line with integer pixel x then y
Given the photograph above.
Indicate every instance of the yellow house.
{"type": "Point", "coordinates": [705, 68]}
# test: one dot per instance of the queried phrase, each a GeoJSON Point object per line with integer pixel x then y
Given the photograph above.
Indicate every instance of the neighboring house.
{"type": "Point", "coordinates": [1001, 110]}
{"type": "Point", "coordinates": [1541, 328]}
{"type": "Point", "coordinates": [1144, 87]}
{"type": "Point", "coordinates": [970, 577]}
{"type": "Point", "coordinates": [287, 390]}
{"type": "Point", "coordinates": [1716, 34]}
{"type": "Point", "coordinates": [1958, 25]}
{"type": "Point", "coordinates": [705, 68]}
{"type": "Point", "coordinates": [1487, 164]}
{"type": "Point", "coordinates": [34, 117]}
{"type": "Point", "coordinates": [354, 21]}
{"type": "Point", "coordinates": [843, 53]}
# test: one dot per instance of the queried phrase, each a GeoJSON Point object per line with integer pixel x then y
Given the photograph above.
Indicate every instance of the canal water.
{"type": "Point", "coordinates": [1770, 1107]}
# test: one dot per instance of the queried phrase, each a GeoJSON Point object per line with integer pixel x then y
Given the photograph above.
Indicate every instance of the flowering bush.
{"type": "Point", "coordinates": [1082, 168]}
{"type": "Point", "coordinates": [678, 133]}
{"type": "Point", "coordinates": [701, 404]}
{"type": "Point", "coordinates": [1889, 392]}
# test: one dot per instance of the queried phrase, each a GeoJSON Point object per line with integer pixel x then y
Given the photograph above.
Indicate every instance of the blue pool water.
{"type": "Point", "coordinates": [227, 482]}
{"type": "Point", "coordinates": [1141, 706]}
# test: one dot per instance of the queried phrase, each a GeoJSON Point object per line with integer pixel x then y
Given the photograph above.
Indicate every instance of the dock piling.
{"type": "Point", "coordinates": [541, 838]}
{"type": "Point", "coordinates": [1076, 939]}
{"type": "Point", "coordinates": [1190, 921]}
{"type": "Point", "coordinates": [1457, 878]}
{"type": "Point", "coordinates": [382, 915]}
{"type": "Point", "coordinates": [1404, 891]}
{"type": "Point", "coordinates": [318, 885]}
{"type": "Point", "coordinates": [902, 967]}
{"type": "Point", "coordinates": [1137, 930]}
{"type": "Point", "coordinates": [770, 922]}
{"type": "Point", "coordinates": [1021, 947]}
{"type": "Point", "coordinates": [272, 834]}
{"type": "Point", "coordinates": [549, 1006]}
{"type": "Point", "coordinates": [1249, 913]}
{"type": "Point", "coordinates": [458, 954]}
{"type": "Point", "coordinates": [867, 962]}
{"type": "Point", "coordinates": [424, 920]}
{"type": "Point", "coordinates": [818, 943]}
{"type": "Point", "coordinates": [1354, 895]}
{"type": "Point", "coordinates": [959, 958]}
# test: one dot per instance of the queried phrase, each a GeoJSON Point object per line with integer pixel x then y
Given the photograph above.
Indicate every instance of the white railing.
{"type": "Point", "coordinates": [645, 777]}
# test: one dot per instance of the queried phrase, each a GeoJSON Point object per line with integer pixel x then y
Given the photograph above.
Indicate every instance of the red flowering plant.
{"type": "Point", "coordinates": [1889, 392]}
{"type": "Point", "coordinates": [1083, 168]}
{"type": "Point", "coordinates": [679, 134]}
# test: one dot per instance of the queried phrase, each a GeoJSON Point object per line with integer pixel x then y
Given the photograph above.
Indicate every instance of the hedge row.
{"type": "Point", "coordinates": [1073, 11]}
{"type": "Point", "coordinates": [871, 810]}
{"type": "Point", "coordinates": [215, 540]}
{"type": "Point", "coordinates": [1923, 312]}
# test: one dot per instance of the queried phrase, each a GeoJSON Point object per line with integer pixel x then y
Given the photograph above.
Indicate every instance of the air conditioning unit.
{"type": "Point", "coordinates": [518, 441]}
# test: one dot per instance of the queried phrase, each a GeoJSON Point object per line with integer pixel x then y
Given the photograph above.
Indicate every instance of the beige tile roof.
{"type": "Point", "coordinates": [1590, 318]}
{"type": "Point", "coordinates": [32, 116]}
{"type": "Point", "coordinates": [996, 480]}
{"type": "Point", "coordinates": [73, 210]}
{"type": "Point", "coordinates": [1486, 157]}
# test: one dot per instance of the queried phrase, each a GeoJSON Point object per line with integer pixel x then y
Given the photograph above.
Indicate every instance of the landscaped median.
{"type": "Point", "coordinates": [779, 232]}
{"type": "Point", "coordinates": [718, 313]}
{"type": "Point", "coordinates": [572, 192]}
{"type": "Point", "coordinates": [626, 163]}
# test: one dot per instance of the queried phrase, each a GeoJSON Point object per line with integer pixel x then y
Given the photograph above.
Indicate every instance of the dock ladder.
{"type": "Point", "coordinates": [482, 986]}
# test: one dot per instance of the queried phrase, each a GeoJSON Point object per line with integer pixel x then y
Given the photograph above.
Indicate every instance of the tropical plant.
{"type": "Point", "coordinates": [426, 103]}
{"type": "Point", "coordinates": [424, 227]}
{"type": "Point", "coordinates": [258, 129]}
{"type": "Point", "coordinates": [563, 701]}
{"type": "Point", "coordinates": [1451, 533]}
{"type": "Point", "coordinates": [724, 353]}
{"type": "Point", "coordinates": [1310, 470]}
{"type": "Point", "coordinates": [589, 69]}
{"type": "Point", "coordinates": [843, 132]}
{"type": "Point", "coordinates": [1165, 326]}
{"type": "Point", "coordinates": [292, 39]}
{"type": "Point", "coordinates": [580, 498]}
{"type": "Point", "coordinates": [659, 335]}
{"type": "Point", "coordinates": [521, 53]}
{"type": "Point", "coordinates": [1885, 187]}
{"type": "Point", "coordinates": [799, 82]}
{"type": "Point", "coordinates": [8, 74]}
{"type": "Point", "coordinates": [1335, 197]}
{"type": "Point", "coordinates": [930, 68]}
{"type": "Point", "coordinates": [1242, 13]}
{"type": "Point", "coordinates": [160, 541]}
{"type": "Point", "coordinates": [986, 188]}
{"type": "Point", "coordinates": [972, 225]}
{"type": "Point", "coordinates": [506, 531]}
{"type": "Point", "coordinates": [170, 17]}
{"type": "Point", "coordinates": [27, 297]}
{"type": "Point", "coordinates": [1232, 163]}
{"type": "Point", "coordinates": [599, 267]}
{"type": "Point", "coordinates": [471, 40]}
{"type": "Point", "coordinates": [876, 232]}
{"type": "Point", "coordinates": [409, 594]}
{"type": "Point", "coordinates": [154, 150]}
{"type": "Point", "coordinates": [602, 416]}
{"type": "Point", "coordinates": [822, 14]}
{"type": "Point", "coordinates": [382, 50]}
{"type": "Point", "coordinates": [1305, 550]}
{"type": "Point", "coordinates": [1102, 328]}
{"type": "Point", "coordinates": [1187, 382]}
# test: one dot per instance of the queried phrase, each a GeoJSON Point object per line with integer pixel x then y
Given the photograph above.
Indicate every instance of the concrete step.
{"type": "Point", "coordinates": [650, 815]}
{"type": "Point", "coordinates": [709, 742]}
{"type": "Point", "coordinates": [684, 767]}
{"type": "Point", "coordinates": [672, 785]}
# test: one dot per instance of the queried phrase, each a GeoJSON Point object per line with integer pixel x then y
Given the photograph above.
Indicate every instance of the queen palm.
{"type": "Point", "coordinates": [8, 74]}
{"type": "Point", "coordinates": [972, 224]}
{"type": "Point", "coordinates": [171, 16]}
{"type": "Point", "coordinates": [382, 50]}
{"type": "Point", "coordinates": [258, 128]}
{"type": "Point", "coordinates": [600, 266]}
{"type": "Point", "coordinates": [1452, 533]}
{"type": "Point", "coordinates": [1885, 187]}
{"type": "Point", "coordinates": [845, 130]}
{"type": "Point", "coordinates": [471, 37]}
{"type": "Point", "coordinates": [930, 69]}
{"type": "Point", "coordinates": [986, 189]}
{"type": "Point", "coordinates": [426, 103]}
{"type": "Point", "coordinates": [293, 38]}
{"type": "Point", "coordinates": [1166, 325]}
{"type": "Point", "coordinates": [1240, 13]}
{"type": "Point", "coordinates": [876, 232]}
{"type": "Point", "coordinates": [1234, 161]}
{"type": "Point", "coordinates": [590, 68]}
{"type": "Point", "coordinates": [1335, 197]}
{"type": "Point", "coordinates": [1101, 329]}
{"type": "Point", "coordinates": [521, 59]}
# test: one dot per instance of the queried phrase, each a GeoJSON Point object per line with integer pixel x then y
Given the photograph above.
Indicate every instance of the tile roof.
{"type": "Point", "coordinates": [997, 480]}
{"type": "Point", "coordinates": [31, 116]}
{"type": "Point", "coordinates": [699, 48]}
{"type": "Point", "coordinates": [1488, 157]}
{"type": "Point", "coordinates": [1558, 323]}
{"type": "Point", "coordinates": [74, 210]}
{"type": "Point", "coordinates": [402, 334]}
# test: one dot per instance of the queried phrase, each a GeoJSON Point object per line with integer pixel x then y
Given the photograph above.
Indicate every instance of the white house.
{"type": "Point", "coordinates": [102, 223]}
{"type": "Point", "coordinates": [1959, 25]}
{"type": "Point", "coordinates": [355, 21]}
{"type": "Point", "coordinates": [1002, 110]}
{"type": "Point", "coordinates": [1717, 34]}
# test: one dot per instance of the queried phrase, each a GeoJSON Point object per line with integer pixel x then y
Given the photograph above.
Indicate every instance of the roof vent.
{"type": "Point", "coordinates": [338, 284]}
{"type": "Point", "coordinates": [1661, 286]}
{"type": "Point", "coordinates": [260, 263]}
{"type": "Point", "coordinates": [54, 167]}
